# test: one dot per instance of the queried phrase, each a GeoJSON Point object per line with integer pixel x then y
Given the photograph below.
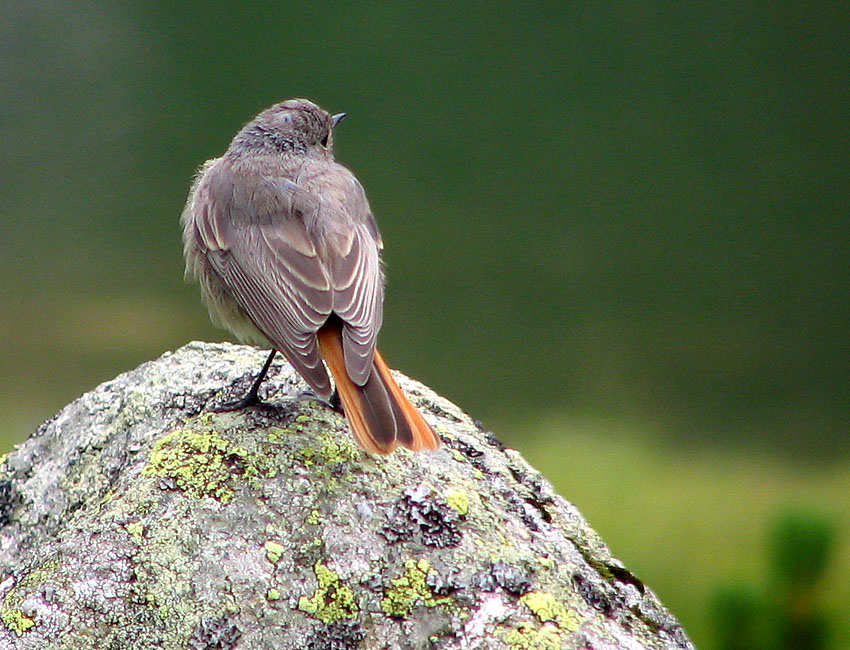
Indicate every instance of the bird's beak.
{"type": "Point", "coordinates": [336, 119]}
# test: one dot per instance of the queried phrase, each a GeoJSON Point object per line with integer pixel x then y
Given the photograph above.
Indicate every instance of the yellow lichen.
{"type": "Point", "coordinates": [16, 621]}
{"type": "Point", "coordinates": [557, 622]}
{"type": "Point", "coordinates": [548, 608]}
{"type": "Point", "coordinates": [10, 612]}
{"type": "Point", "coordinates": [274, 550]}
{"type": "Point", "coordinates": [458, 501]}
{"type": "Point", "coordinates": [338, 451]}
{"type": "Point", "coordinates": [527, 637]}
{"type": "Point", "coordinates": [409, 589]}
{"type": "Point", "coordinates": [276, 433]}
{"type": "Point", "coordinates": [332, 601]}
{"type": "Point", "coordinates": [136, 529]}
{"type": "Point", "coordinates": [546, 562]}
{"type": "Point", "coordinates": [203, 463]}
{"type": "Point", "coordinates": [309, 456]}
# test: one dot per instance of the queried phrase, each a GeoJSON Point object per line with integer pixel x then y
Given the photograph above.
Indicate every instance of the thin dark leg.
{"type": "Point", "coordinates": [252, 398]}
{"type": "Point", "coordinates": [253, 395]}
{"type": "Point", "coordinates": [335, 403]}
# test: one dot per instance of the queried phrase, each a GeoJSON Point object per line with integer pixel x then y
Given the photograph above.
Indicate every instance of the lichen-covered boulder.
{"type": "Point", "coordinates": [137, 518]}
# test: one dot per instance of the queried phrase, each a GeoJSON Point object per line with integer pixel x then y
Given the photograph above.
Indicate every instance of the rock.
{"type": "Point", "coordinates": [136, 518]}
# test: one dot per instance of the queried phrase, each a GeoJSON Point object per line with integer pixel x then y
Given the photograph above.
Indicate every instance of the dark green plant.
{"type": "Point", "coordinates": [736, 612]}
{"type": "Point", "coordinates": [786, 612]}
{"type": "Point", "coordinates": [801, 544]}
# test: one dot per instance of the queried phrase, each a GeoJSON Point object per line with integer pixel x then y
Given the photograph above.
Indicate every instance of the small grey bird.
{"type": "Point", "coordinates": [287, 252]}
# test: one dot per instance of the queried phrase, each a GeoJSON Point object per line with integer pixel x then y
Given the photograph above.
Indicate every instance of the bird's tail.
{"type": "Point", "coordinates": [379, 414]}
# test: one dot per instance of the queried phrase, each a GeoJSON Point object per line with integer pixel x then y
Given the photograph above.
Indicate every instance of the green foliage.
{"type": "Point", "coordinates": [801, 544]}
{"type": "Point", "coordinates": [787, 611]}
{"type": "Point", "coordinates": [680, 519]}
{"type": "Point", "coordinates": [735, 610]}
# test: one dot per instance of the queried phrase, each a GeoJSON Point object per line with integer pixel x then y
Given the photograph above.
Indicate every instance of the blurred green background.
{"type": "Point", "coordinates": [616, 234]}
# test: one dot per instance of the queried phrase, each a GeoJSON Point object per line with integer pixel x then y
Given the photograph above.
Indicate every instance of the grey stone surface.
{"type": "Point", "coordinates": [136, 518]}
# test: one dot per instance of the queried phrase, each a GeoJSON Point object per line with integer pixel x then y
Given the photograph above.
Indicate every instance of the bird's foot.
{"type": "Point", "coordinates": [333, 403]}
{"type": "Point", "coordinates": [253, 396]}
{"type": "Point", "coordinates": [250, 400]}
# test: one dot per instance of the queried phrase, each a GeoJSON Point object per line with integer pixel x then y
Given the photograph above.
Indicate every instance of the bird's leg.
{"type": "Point", "coordinates": [334, 402]}
{"type": "Point", "coordinates": [252, 398]}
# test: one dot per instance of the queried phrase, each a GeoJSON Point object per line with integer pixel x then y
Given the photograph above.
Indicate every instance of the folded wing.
{"type": "Point", "coordinates": [270, 265]}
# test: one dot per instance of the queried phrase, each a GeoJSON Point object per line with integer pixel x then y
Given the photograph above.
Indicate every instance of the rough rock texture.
{"type": "Point", "coordinates": [138, 519]}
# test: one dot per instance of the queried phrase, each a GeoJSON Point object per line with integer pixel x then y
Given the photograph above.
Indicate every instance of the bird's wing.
{"type": "Point", "coordinates": [256, 242]}
{"type": "Point", "coordinates": [358, 287]}
{"type": "Point", "coordinates": [355, 272]}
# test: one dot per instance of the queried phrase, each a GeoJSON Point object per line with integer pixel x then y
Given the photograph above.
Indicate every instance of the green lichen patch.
{"type": "Point", "coordinates": [10, 613]}
{"type": "Point", "coordinates": [557, 623]}
{"type": "Point", "coordinates": [162, 569]}
{"type": "Point", "coordinates": [548, 608]}
{"type": "Point", "coordinates": [276, 434]}
{"type": "Point", "coordinates": [308, 548]}
{"type": "Point", "coordinates": [546, 562]}
{"type": "Point", "coordinates": [136, 530]}
{"type": "Point", "coordinates": [339, 450]}
{"type": "Point", "coordinates": [458, 501]}
{"type": "Point", "coordinates": [314, 518]}
{"type": "Point", "coordinates": [410, 589]}
{"type": "Point", "coordinates": [37, 576]}
{"type": "Point", "coordinates": [161, 608]}
{"type": "Point", "coordinates": [529, 637]}
{"type": "Point", "coordinates": [203, 463]}
{"type": "Point", "coordinates": [298, 425]}
{"type": "Point", "coordinates": [333, 600]}
{"type": "Point", "coordinates": [330, 444]}
{"type": "Point", "coordinates": [274, 551]}
{"type": "Point", "coordinates": [16, 621]}
{"type": "Point", "coordinates": [273, 594]}
{"type": "Point", "coordinates": [443, 432]}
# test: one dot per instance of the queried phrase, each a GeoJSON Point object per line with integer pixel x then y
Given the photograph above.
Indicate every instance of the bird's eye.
{"type": "Point", "coordinates": [325, 141]}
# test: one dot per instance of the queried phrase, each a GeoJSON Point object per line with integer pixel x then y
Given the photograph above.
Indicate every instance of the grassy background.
{"type": "Point", "coordinates": [618, 235]}
{"type": "Point", "coordinates": [690, 523]}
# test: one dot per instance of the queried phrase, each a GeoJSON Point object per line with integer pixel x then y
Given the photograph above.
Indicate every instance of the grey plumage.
{"type": "Point", "coordinates": [279, 235]}
{"type": "Point", "coordinates": [287, 252]}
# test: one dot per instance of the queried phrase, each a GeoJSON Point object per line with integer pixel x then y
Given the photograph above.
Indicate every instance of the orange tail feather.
{"type": "Point", "coordinates": [379, 414]}
{"type": "Point", "coordinates": [417, 435]}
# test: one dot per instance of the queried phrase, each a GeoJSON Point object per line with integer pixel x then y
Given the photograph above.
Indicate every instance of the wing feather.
{"type": "Point", "coordinates": [292, 253]}
{"type": "Point", "coordinates": [358, 300]}
{"type": "Point", "coordinates": [272, 269]}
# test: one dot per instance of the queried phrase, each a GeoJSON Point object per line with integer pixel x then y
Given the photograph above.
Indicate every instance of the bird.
{"type": "Point", "coordinates": [287, 253]}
